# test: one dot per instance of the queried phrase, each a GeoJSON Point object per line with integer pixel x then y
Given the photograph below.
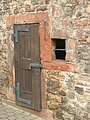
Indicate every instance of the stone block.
{"type": "Point", "coordinates": [87, 68]}
{"type": "Point", "coordinates": [68, 11]}
{"type": "Point", "coordinates": [37, 2]}
{"type": "Point", "coordinates": [3, 76]}
{"type": "Point", "coordinates": [88, 107]}
{"type": "Point", "coordinates": [63, 93]}
{"type": "Point", "coordinates": [71, 95]}
{"type": "Point", "coordinates": [53, 106]}
{"type": "Point", "coordinates": [53, 83]}
{"type": "Point", "coordinates": [29, 8]}
{"type": "Point", "coordinates": [54, 98]}
{"type": "Point", "coordinates": [82, 23]}
{"type": "Point", "coordinates": [47, 1]}
{"type": "Point", "coordinates": [84, 98]}
{"type": "Point", "coordinates": [88, 9]}
{"type": "Point", "coordinates": [79, 90]}
{"type": "Point", "coordinates": [42, 8]}
{"type": "Point", "coordinates": [59, 114]}
{"type": "Point", "coordinates": [34, 2]}
{"type": "Point", "coordinates": [66, 23]}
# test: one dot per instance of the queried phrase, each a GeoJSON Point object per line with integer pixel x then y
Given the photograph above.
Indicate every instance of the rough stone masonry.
{"type": "Point", "coordinates": [67, 87]}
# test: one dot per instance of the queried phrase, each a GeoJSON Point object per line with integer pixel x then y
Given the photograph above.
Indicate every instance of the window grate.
{"type": "Point", "coordinates": [59, 48]}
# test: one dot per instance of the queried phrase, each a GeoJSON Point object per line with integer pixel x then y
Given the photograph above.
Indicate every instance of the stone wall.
{"type": "Point", "coordinates": [67, 82]}
{"type": "Point", "coordinates": [68, 94]}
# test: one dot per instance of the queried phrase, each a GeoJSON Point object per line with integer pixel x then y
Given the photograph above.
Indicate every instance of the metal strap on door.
{"type": "Point", "coordinates": [15, 36]}
{"type": "Point", "coordinates": [19, 99]}
{"type": "Point", "coordinates": [35, 65]}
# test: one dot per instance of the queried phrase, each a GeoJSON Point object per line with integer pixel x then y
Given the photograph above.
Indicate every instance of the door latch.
{"type": "Point", "coordinates": [35, 65]}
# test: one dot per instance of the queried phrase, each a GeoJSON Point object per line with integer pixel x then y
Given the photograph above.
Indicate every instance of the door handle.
{"type": "Point", "coordinates": [35, 65]}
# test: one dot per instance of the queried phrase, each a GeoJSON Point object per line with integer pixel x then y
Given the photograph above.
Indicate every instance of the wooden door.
{"type": "Point", "coordinates": [27, 65]}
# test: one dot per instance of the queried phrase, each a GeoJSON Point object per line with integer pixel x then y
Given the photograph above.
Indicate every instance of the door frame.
{"type": "Point", "coordinates": [43, 19]}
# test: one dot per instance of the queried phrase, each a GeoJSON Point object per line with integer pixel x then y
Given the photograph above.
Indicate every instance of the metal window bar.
{"type": "Point", "coordinates": [59, 49]}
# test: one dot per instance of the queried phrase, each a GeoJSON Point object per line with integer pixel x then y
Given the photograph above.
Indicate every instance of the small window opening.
{"type": "Point", "coordinates": [59, 48]}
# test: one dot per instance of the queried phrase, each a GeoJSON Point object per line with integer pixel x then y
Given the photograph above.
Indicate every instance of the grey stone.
{"type": "Point", "coordinates": [59, 114]}
{"type": "Point", "coordinates": [51, 90]}
{"type": "Point", "coordinates": [16, 10]}
{"type": "Point", "coordinates": [88, 107]}
{"type": "Point", "coordinates": [34, 2]}
{"type": "Point", "coordinates": [3, 76]}
{"type": "Point", "coordinates": [68, 108]}
{"type": "Point", "coordinates": [63, 93]}
{"type": "Point", "coordinates": [53, 83]}
{"type": "Point", "coordinates": [87, 68]}
{"type": "Point", "coordinates": [42, 8]}
{"type": "Point", "coordinates": [76, 118]}
{"type": "Point", "coordinates": [71, 95]}
{"type": "Point", "coordinates": [28, 8]}
{"type": "Point", "coordinates": [70, 83]}
{"type": "Point", "coordinates": [68, 11]}
{"type": "Point", "coordinates": [79, 90]}
{"type": "Point", "coordinates": [78, 14]}
{"type": "Point", "coordinates": [47, 1]}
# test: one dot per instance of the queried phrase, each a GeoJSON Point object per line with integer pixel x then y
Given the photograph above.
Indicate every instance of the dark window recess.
{"type": "Point", "coordinates": [59, 48]}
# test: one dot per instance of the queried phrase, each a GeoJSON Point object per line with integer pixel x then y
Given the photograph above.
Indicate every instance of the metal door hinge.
{"type": "Point", "coordinates": [16, 90]}
{"type": "Point", "coordinates": [15, 36]}
{"type": "Point", "coordinates": [12, 37]}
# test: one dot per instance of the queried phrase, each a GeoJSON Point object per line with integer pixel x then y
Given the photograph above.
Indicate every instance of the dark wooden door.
{"type": "Point", "coordinates": [27, 66]}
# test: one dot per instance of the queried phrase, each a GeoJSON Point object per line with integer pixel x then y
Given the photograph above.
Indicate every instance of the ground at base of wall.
{"type": "Point", "coordinates": [44, 115]}
{"type": "Point", "coordinates": [8, 112]}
